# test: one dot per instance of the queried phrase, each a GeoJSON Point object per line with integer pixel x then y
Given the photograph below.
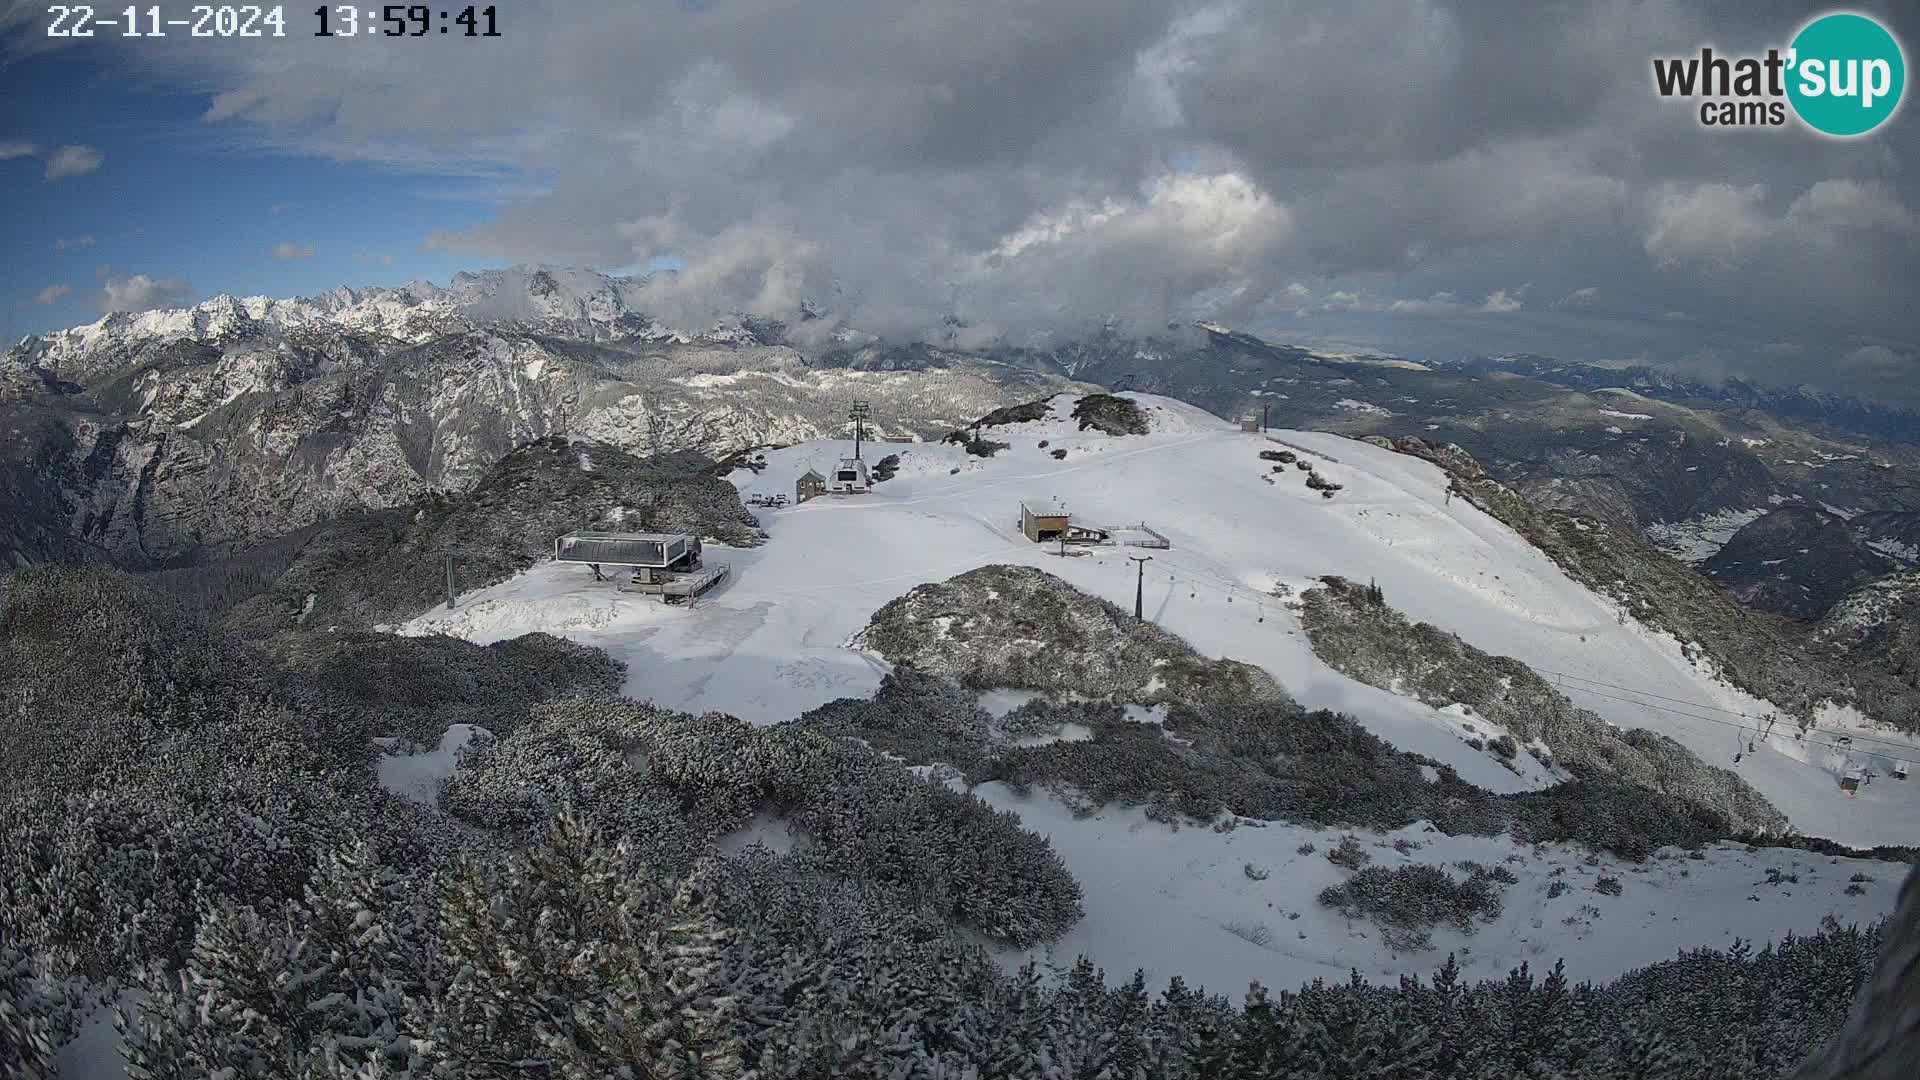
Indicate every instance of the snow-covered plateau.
{"type": "Point", "coordinates": [781, 637]}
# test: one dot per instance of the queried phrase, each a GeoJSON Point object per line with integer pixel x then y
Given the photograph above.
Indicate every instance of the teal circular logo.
{"type": "Point", "coordinates": [1846, 74]}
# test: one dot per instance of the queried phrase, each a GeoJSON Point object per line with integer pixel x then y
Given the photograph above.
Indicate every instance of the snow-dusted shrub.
{"type": "Point", "coordinates": [1245, 747]}
{"type": "Point", "coordinates": [112, 879]}
{"type": "Point", "coordinates": [1127, 764]}
{"type": "Point", "coordinates": [1024, 413]}
{"type": "Point", "coordinates": [1415, 898]}
{"type": "Point", "coordinates": [1628, 821]}
{"type": "Point", "coordinates": [94, 667]}
{"type": "Point", "coordinates": [671, 785]}
{"type": "Point", "coordinates": [1349, 853]}
{"type": "Point", "coordinates": [216, 586]}
{"type": "Point", "coordinates": [938, 848]}
{"type": "Point", "coordinates": [921, 717]}
{"type": "Point", "coordinates": [1111, 414]}
{"type": "Point", "coordinates": [590, 755]}
{"type": "Point", "coordinates": [371, 685]}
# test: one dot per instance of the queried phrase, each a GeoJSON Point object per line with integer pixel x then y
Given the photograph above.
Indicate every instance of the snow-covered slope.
{"type": "Point", "coordinates": [774, 642]}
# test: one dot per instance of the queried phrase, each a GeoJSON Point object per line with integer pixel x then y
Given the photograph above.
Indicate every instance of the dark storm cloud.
{"type": "Point", "coordinates": [1318, 168]}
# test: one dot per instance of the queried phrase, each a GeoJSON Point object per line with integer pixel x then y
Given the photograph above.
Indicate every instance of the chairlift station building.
{"type": "Point", "coordinates": [850, 477]}
{"type": "Point", "coordinates": [666, 564]}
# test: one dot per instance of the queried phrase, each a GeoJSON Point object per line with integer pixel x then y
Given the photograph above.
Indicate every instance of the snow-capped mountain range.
{"type": "Point", "coordinates": [575, 303]}
{"type": "Point", "coordinates": [145, 439]}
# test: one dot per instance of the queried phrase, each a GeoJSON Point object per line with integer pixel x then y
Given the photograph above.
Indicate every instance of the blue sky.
{"type": "Point", "coordinates": [182, 200]}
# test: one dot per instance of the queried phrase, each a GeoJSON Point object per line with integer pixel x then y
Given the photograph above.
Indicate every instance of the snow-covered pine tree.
{"type": "Point", "coordinates": [1014, 1025]}
{"type": "Point", "coordinates": [664, 1009]}
{"type": "Point", "coordinates": [1129, 1014]}
{"type": "Point", "coordinates": [1358, 1032]}
{"type": "Point", "coordinates": [237, 1011]}
{"type": "Point", "coordinates": [511, 987]}
{"type": "Point", "coordinates": [29, 1031]}
{"type": "Point", "coordinates": [366, 917]}
{"type": "Point", "coordinates": [1192, 1035]}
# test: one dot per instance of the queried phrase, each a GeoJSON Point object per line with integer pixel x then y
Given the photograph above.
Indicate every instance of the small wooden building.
{"type": "Point", "coordinates": [1850, 783]}
{"type": "Point", "coordinates": [1043, 525]}
{"type": "Point", "coordinates": [1249, 423]}
{"type": "Point", "coordinates": [810, 485]}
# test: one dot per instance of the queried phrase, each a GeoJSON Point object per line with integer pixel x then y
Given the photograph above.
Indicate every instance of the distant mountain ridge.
{"type": "Point", "coordinates": [576, 303]}
{"type": "Point", "coordinates": [1843, 412]}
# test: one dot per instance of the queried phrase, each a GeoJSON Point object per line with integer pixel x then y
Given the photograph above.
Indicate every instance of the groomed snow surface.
{"type": "Point", "coordinates": [772, 643]}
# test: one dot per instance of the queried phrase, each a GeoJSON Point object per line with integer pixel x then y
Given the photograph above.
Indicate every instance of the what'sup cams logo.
{"type": "Point", "coordinates": [1843, 75]}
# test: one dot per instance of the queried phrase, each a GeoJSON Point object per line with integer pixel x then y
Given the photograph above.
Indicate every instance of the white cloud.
{"type": "Point", "coordinates": [287, 249]}
{"type": "Point", "coordinates": [1579, 297]}
{"type": "Point", "coordinates": [11, 150]}
{"type": "Point", "coordinates": [1713, 227]}
{"type": "Point", "coordinates": [139, 292]}
{"type": "Point", "coordinates": [1503, 302]}
{"type": "Point", "coordinates": [1881, 359]}
{"type": "Point", "coordinates": [1442, 303]}
{"type": "Point", "coordinates": [1849, 204]}
{"type": "Point", "coordinates": [83, 241]}
{"type": "Point", "coordinates": [73, 161]}
{"type": "Point", "coordinates": [51, 293]}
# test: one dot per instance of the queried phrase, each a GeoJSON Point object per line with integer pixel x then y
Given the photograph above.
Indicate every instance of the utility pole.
{"type": "Point", "coordinates": [1264, 406]}
{"type": "Point", "coordinates": [449, 579]}
{"type": "Point", "coordinates": [1140, 581]}
{"type": "Point", "coordinates": [859, 415]}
